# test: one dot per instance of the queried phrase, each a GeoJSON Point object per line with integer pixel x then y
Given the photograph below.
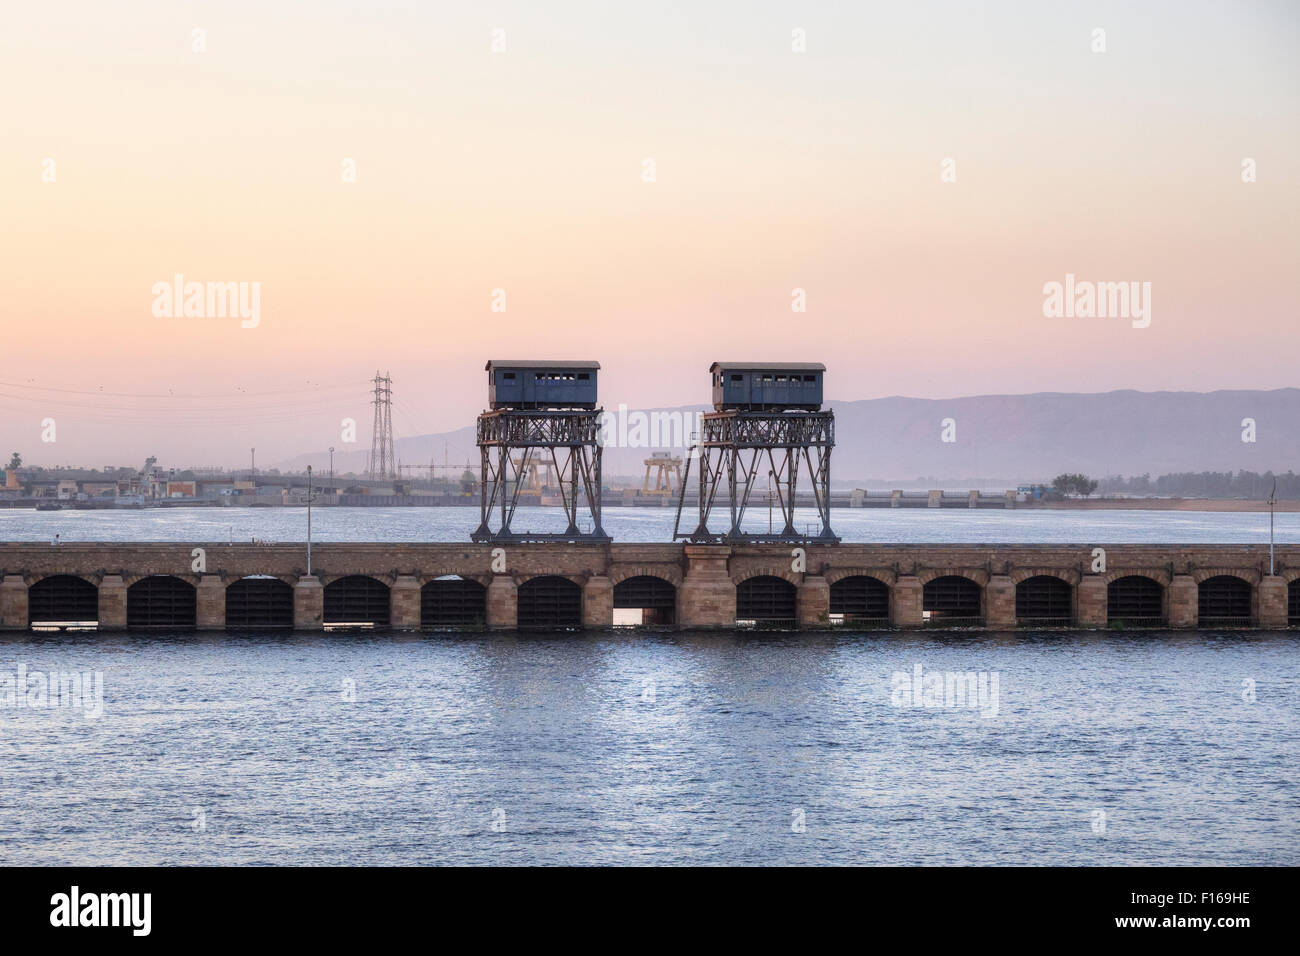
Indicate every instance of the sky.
{"type": "Point", "coordinates": [643, 184]}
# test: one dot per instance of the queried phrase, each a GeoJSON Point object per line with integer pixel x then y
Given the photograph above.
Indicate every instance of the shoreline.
{"type": "Point", "coordinates": [1209, 505]}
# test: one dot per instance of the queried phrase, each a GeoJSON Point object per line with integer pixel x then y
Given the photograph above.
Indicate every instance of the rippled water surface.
{"type": "Point", "coordinates": [682, 748]}
{"type": "Point", "coordinates": [643, 524]}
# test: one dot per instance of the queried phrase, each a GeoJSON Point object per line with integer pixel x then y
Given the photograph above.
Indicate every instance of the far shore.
{"type": "Point", "coordinates": [1162, 504]}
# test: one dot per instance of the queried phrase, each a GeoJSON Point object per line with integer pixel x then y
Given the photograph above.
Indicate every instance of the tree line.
{"type": "Point", "coordinates": [1206, 484]}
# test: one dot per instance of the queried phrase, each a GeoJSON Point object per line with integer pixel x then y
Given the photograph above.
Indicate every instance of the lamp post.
{"type": "Point", "coordinates": [1272, 502]}
{"type": "Point", "coordinates": [331, 467]}
{"type": "Point", "coordinates": [309, 496]}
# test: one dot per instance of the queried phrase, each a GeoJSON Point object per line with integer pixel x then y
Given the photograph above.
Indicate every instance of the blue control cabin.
{"type": "Point", "coordinates": [538, 384]}
{"type": "Point", "coordinates": [764, 386]}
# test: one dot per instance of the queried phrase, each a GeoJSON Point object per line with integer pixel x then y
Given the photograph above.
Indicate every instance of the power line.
{"type": "Point", "coordinates": [170, 394]}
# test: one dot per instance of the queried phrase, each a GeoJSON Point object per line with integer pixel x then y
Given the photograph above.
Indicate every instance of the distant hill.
{"type": "Point", "coordinates": [1001, 438]}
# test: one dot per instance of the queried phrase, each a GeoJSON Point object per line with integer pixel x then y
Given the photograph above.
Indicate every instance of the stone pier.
{"type": "Point", "coordinates": [112, 603]}
{"type": "Point", "coordinates": [1090, 602]}
{"type": "Point", "coordinates": [210, 603]}
{"type": "Point", "coordinates": [814, 601]}
{"type": "Point", "coordinates": [905, 607]}
{"type": "Point", "coordinates": [404, 603]}
{"type": "Point", "coordinates": [597, 603]}
{"type": "Point", "coordinates": [1000, 603]}
{"type": "Point", "coordinates": [308, 604]}
{"type": "Point", "coordinates": [502, 603]}
{"type": "Point", "coordinates": [1271, 603]}
{"type": "Point", "coordinates": [707, 598]}
{"type": "Point", "coordinates": [1182, 601]}
{"type": "Point", "coordinates": [13, 603]}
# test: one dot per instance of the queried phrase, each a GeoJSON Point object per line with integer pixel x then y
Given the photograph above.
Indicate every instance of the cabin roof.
{"type": "Point", "coordinates": [768, 366]}
{"type": "Point", "coordinates": [537, 363]}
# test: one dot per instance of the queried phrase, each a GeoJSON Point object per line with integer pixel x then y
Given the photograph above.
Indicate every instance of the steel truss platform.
{"type": "Point", "coordinates": [731, 450]}
{"type": "Point", "coordinates": [511, 441]}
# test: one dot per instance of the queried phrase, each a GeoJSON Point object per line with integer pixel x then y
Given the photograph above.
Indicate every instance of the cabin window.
{"type": "Point", "coordinates": [780, 378]}
{"type": "Point", "coordinates": [584, 377]}
{"type": "Point", "coordinates": [737, 378]}
{"type": "Point", "coordinates": [810, 378]}
{"type": "Point", "coordinates": [509, 376]}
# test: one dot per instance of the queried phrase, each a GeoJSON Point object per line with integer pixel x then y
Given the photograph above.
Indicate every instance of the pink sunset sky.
{"type": "Point", "coordinates": [131, 156]}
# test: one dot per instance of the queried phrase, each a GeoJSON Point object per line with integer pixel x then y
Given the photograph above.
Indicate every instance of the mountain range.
{"type": "Point", "coordinates": [997, 440]}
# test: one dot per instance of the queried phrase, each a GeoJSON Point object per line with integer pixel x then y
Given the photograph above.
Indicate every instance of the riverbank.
{"type": "Point", "coordinates": [1164, 504]}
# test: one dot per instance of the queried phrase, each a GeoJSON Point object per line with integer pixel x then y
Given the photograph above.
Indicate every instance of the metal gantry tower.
{"type": "Point", "coordinates": [666, 466]}
{"type": "Point", "coordinates": [767, 429]}
{"type": "Point", "coordinates": [543, 414]}
{"type": "Point", "coordinates": [383, 464]}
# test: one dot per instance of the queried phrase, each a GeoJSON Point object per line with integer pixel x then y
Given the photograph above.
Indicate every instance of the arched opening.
{"type": "Point", "coordinates": [356, 601]}
{"type": "Point", "coordinates": [861, 601]}
{"type": "Point", "coordinates": [765, 601]}
{"type": "Point", "coordinates": [1293, 602]}
{"type": "Point", "coordinates": [258, 603]}
{"type": "Point", "coordinates": [160, 600]}
{"type": "Point", "coordinates": [645, 601]}
{"type": "Point", "coordinates": [1223, 601]}
{"type": "Point", "coordinates": [1044, 601]}
{"type": "Point", "coordinates": [453, 602]}
{"type": "Point", "coordinates": [63, 601]}
{"type": "Point", "coordinates": [1135, 601]}
{"type": "Point", "coordinates": [952, 601]}
{"type": "Point", "coordinates": [550, 603]}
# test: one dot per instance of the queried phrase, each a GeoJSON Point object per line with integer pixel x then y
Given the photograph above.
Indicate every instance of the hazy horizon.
{"type": "Point", "coordinates": [1010, 435]}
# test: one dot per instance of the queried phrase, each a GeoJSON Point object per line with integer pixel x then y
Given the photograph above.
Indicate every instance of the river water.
{"type": "Point", "coordinates": [1090, 748]}
{"type": "Point", "coordinates": [644, 524]}
{"type": "Point", "coordinates": [685, 748]}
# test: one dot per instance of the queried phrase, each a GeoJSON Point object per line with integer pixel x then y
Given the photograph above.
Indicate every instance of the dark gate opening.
{"type": "Point", "coordinates": [356, 601]}
{"type": "Point", "coordinates": [1224, 601]}
{"type": "Point", "coordinates": [765, 602]}
{"type": "Point", "coordinates": [160, 601]}
{"type": "Point", "coordinates": [645, 601]}
{"type": "Point", "coordinates": [1293, 602]}
{"type": "Point", "coordinates": [550, 603]}
{"type": "Point", "coordinates": [860, 601]}
{"type": "Point", "coordinates": [63, 601]}
{"type": "Point", "coordinates": [952, 601]}
{"type": "Point", "coordinates": [256, 603]}
{"type": "Point", "coordinates": [1044, 601]}
{"type": "Point", "coordinates": [453, 602]}
{"type": "Point", "coordinates": [1135, 601]}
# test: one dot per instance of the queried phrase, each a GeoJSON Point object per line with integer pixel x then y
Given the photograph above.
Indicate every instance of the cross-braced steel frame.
{"type": "Point", "coordinates": [732, 449]}
{"type": "Point", "coordinates": [511, 441]}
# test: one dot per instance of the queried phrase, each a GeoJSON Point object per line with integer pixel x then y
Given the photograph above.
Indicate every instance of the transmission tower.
{"type": "Point", "coordinates": [383, 464]}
